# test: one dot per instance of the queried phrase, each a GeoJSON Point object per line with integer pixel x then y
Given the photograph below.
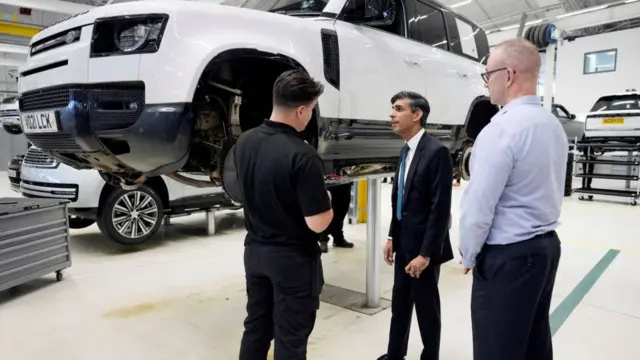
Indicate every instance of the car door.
{"type": "Point", "coordinates": [469, 50]}
{"type": "Point", "coordinates": [375, 64]}
{"type": "Point", "coordinates": [428, 31]}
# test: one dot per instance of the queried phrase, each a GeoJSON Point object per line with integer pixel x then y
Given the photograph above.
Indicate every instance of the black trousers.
{"type": "Point", "coordinates": [511, 297]}
{"type": "Point", "coordinates": [423, 293]}
{"type": "Point", "coordinates": [283, 289]}
{"type": "Point", "coordinates": [340, 201]}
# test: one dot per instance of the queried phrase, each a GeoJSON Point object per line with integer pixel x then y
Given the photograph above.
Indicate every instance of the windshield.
{"type": "Point", "coordinates": [617, 103]}
{"type": "Point", "coordinates": [289, 7]}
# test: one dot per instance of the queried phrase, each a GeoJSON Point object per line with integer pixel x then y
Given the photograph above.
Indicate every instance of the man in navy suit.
{"type": "Point", "coordinates": [419, 231]}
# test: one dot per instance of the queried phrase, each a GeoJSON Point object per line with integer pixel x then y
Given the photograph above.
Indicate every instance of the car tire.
{"type": "Point", "coordinates": [131, 217]}
{"type": "Point", "coordinates": [76, 222]}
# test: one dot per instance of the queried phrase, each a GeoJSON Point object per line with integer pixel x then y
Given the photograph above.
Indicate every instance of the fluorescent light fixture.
{"type": "Point", "coordinates": [515, 26]}
{"type": "Point", "coordinates": [630, 1]}
{"type": "Point", "coordinates": [583, 11]}
{"type": "Point", "coordinates": [461, 4]}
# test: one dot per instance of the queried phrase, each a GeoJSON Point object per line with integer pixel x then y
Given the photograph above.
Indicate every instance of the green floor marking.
{"type": "Point", "coordinates": [561, 313]}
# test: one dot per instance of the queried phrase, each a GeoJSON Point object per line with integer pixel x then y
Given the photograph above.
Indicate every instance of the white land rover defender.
{"type": "Point", "coordinates": [146, 88]}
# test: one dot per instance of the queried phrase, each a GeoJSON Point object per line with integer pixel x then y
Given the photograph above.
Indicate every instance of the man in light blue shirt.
{"type": "Point", "coordinates": [510, 210]}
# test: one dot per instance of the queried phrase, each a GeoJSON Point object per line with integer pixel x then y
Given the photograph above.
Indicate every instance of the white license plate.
{"type": "Point", "coordinates": [11, 173]}
{"type": "Point", "coordinates": [39, 122]}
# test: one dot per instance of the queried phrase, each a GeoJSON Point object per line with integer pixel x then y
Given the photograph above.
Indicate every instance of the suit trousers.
{"type": "Point", "coordinates": [340, 201]}
{"type": "Point", "coordinates": [511, 298]}
{"type": "Point", "coordinates": [423, 293]}
{"type": "Point", "coordinates": [283, 290]}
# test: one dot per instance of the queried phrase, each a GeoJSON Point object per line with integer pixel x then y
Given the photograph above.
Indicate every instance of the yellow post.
{"type": "Point", "coordinates": [362, 201]}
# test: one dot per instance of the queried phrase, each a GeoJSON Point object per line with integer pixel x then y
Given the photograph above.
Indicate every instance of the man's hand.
{"type": "Point", "coordinates": [466, 270]}
{"type": "Point", "coordinates": [416, 266]}
{"type": "Point", "coordinates": [388, 252]}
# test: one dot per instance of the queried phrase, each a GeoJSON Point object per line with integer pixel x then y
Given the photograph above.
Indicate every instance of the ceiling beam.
{"type": "Point", "coordinates": [56, 6]}
{"type": "Point", "coordinates": [598, 15]}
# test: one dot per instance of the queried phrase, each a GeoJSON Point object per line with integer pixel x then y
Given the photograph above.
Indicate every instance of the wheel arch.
{"type": "Point", "coordinates": [479, 115]}
{"type": "Point", "coordinates": [207, 67]}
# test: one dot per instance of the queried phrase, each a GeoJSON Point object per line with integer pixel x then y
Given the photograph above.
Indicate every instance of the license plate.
{"type": "Point", "coordinates": [613, 121]}
{"type": "Point", "coordinates": [12, 173]}
{"type": "Point", "coordinates": [39, 122]}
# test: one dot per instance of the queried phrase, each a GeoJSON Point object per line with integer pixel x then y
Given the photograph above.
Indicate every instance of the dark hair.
{"type": "Point", "coordinates": [416, 102]}
{"type": "Point", "coordinates": [295, 88]}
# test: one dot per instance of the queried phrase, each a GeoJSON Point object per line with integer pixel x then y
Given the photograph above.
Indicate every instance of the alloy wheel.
{"type": "Point", "coordinates": [134, 215]}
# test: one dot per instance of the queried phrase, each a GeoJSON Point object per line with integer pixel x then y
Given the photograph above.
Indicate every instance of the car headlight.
{"type": "Point", "coordinates": [133, 37]}
{"type": "Point", "coordinates": [133, 34]}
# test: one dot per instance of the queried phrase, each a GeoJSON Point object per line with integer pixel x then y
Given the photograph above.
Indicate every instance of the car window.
{"type": "Point", "coordinates": [427, 26]}
{"type": "Point", "coordinates": [617, 102]}
{"type": "Point", "coordinates": [560, 111]}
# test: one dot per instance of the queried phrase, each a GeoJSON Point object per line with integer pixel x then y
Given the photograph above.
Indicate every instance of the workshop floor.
{"type": "Point", "coordinates": [182, 297]}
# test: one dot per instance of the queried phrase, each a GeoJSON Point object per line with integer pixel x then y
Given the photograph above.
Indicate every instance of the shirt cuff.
{"type": "Point", "coordinates": [468, 263]}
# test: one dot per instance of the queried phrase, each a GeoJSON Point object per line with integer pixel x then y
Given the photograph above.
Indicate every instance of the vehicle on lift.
{"type": "Point", "coordinates": [614, 117]}
{"type": "Point", "coordinates": [10, 115]}
{"type": "Point", "coordinates": [128, 217]}
{"type": "Point", "coordinates": [142, 89]}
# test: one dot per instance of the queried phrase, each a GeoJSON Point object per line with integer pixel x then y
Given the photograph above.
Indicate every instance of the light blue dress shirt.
{"type": "Point", "coordinates": [518, 168]}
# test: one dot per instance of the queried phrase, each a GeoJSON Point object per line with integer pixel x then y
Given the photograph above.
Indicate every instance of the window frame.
{"type": "Point", "coordinates": [584, 62]}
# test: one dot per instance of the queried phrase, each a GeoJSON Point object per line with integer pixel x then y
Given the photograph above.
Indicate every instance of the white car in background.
{"type": "Point", "coordinates": [10, 115]}
{"type": "Point", "coordinates": [614, 116]}
{"type": "Point", "coordinates": [128, 217]}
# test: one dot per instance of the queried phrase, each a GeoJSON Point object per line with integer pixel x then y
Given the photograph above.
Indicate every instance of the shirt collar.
{"type": "Point", "coordinates": [413, 142]}
{"type": "Point", "coordinates": [278, 126]}
{"type": "Point", "coordinates": [523, 100]}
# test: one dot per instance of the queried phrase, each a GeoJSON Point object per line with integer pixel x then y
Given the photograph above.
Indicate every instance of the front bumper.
{"type": "Point", "coordinates": [82, 188]}
{"type": "Point", "coordinates": [108, 126]}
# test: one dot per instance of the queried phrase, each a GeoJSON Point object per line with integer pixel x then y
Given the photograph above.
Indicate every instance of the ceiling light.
{"type": "Point", "coordinates": [461, 3]}
{"type": "Point", "coordinates": [584, 11]}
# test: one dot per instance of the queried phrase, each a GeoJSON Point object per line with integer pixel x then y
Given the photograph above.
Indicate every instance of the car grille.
{"type": "Point", "coordinates": [46, 99]}
{"type": "Point", "coordinates": [39, 159]}
{"type": "Point", "coordinates": [57, 142]}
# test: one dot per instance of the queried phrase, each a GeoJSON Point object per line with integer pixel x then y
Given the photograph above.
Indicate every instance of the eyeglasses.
{"type": "Point", "coordinates": [485, 76]}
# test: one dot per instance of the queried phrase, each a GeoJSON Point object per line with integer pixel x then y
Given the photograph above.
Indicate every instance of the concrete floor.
{"type": "Point", "coordinates": [182, 296]}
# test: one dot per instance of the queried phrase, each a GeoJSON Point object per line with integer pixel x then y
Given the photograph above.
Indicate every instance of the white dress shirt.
{"type": "Point", "coordinates": [413, 144]}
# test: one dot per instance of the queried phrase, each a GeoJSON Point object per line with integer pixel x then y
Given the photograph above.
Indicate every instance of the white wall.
{"type": "Point", "coordinates": [578, 91]}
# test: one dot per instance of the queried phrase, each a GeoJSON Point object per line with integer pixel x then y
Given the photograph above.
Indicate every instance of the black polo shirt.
{"type": "Point", "coordinates": [282, 181]}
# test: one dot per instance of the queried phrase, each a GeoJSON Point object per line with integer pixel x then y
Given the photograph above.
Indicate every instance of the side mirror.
{"type": "Point", "coordinates": [572, 116]}
{"type": "Point", "coordinates": [370, 12]}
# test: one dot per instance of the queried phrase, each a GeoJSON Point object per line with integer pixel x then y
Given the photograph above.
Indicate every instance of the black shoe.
{"type": "Point", "coordinates": [323, 247]}
{"type": "Point", "coordinates": [385, 357]}
{"type": "Point", "coordinates": [342, 243]}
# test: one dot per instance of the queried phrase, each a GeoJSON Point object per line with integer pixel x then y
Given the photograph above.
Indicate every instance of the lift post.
{"type": "Point", "coordinates": [374, 242]}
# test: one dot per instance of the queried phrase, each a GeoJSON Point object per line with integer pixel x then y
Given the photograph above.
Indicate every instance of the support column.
{"type": "Point", "coordinates": [211, 222]}
{"type": "Point", "coordinates": [373, 243]}
{"type": "Point", "coordinates": [549, 75]}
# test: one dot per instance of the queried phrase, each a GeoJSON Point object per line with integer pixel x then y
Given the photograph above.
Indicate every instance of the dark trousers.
{"type": "Point", "coordinates": [423, 293]}
{"type": "Point", "coordinates": [340, 201]}
{"type": "Point", "coordinates": [511, 297]}
{"type": "Point", "coordinates": [283, 289]}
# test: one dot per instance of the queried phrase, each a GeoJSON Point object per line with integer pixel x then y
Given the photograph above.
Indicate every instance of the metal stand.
{"type": "Point", "coordinates": [211, 222]}
{"type": "Point", "coordinates": [373, 244]}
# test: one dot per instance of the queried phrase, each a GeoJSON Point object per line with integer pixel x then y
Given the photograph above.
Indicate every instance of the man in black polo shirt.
{"type": "Point", "coordinates": [286, 207]}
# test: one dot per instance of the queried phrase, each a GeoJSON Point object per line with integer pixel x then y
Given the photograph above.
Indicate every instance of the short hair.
{"type": "Point", "coordinates": [416, 102]}
{"type": "Point", "coordinates": [521, 55]}
{"type": "Point", "coordinates": [294, 88]}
